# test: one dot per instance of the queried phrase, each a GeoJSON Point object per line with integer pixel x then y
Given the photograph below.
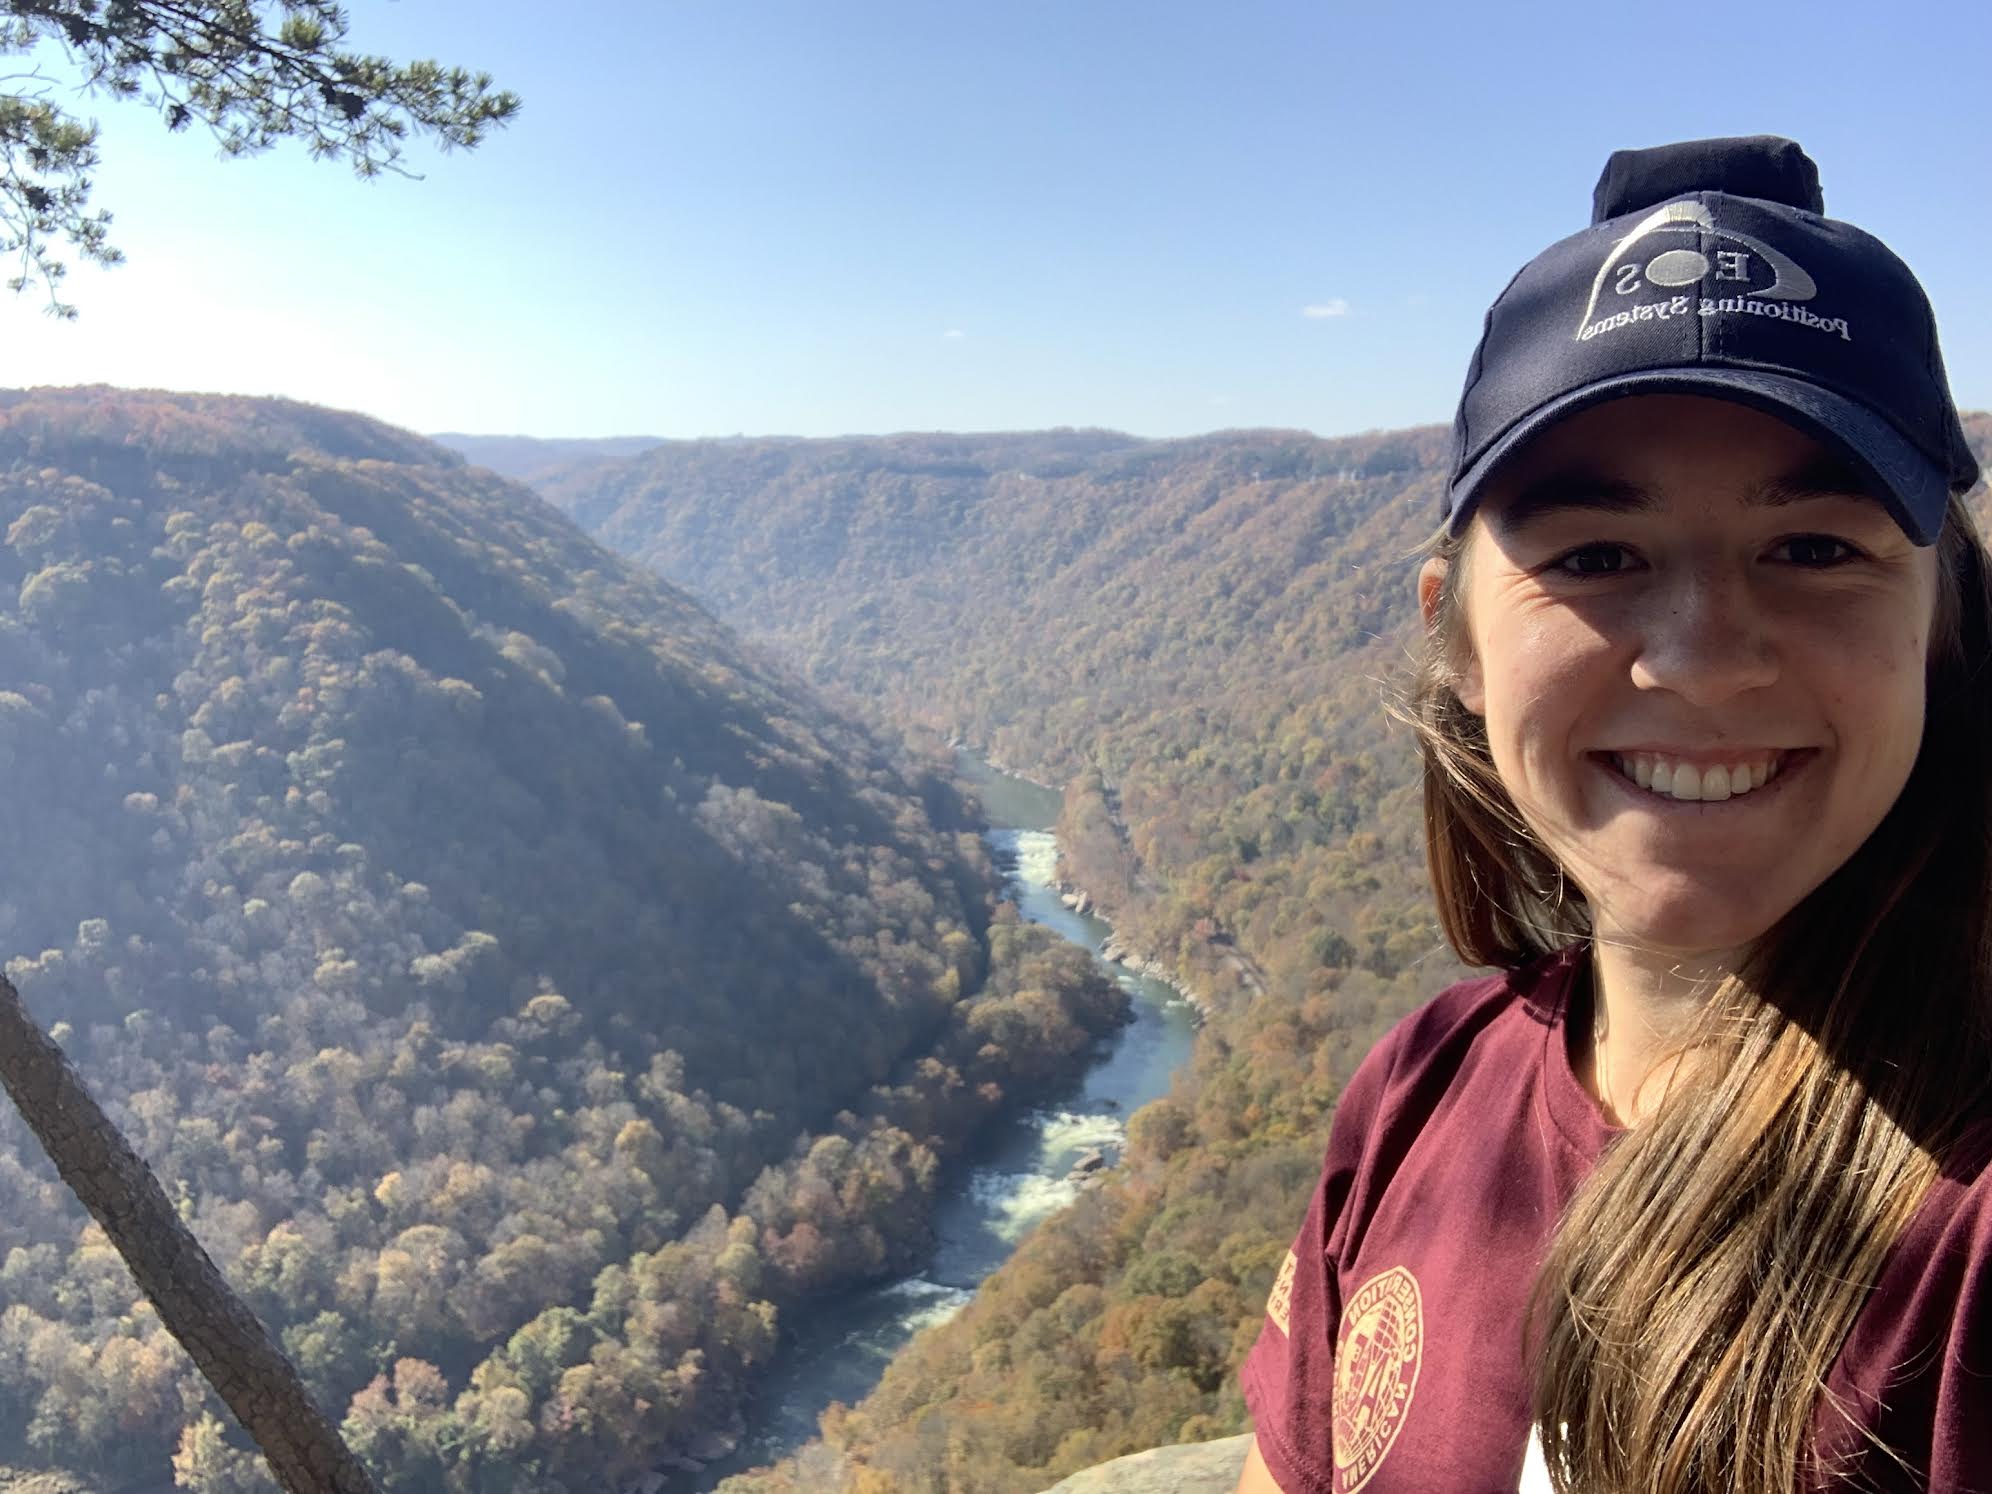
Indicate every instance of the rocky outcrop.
{"type": "Point", "coordinates": [1192, 1468]}
{"type": "Point", "coordinates": [1090, 1170]}
{"type": "Point", "coordinates": [1118, 951]}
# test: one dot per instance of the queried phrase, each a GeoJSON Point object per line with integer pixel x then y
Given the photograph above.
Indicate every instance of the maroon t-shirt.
{"type": "Point", "coordinates": [1391, 1358]}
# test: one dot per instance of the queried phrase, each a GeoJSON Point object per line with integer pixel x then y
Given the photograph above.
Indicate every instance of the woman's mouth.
{"type": "Point", "coordinates": [1699, 781]}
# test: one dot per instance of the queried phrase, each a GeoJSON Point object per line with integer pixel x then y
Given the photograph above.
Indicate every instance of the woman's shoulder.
{"type": "Point", "coordinates": [1954, 1221]}
{"type": "Point", "coordinates": [1914, 1368]}
{"type": "Point", "coordinates": [1520, 1004]}
{"type": "Point", "coordinates": [1937, 1278]}
{"type": "Point", "coordinates": [1505, 1019]}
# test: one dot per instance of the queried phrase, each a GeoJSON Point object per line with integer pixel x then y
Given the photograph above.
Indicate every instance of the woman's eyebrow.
{"type": "Point", "coordinates": [1821, 477]}
{"type": "Point", "coordinates": [1568, 488]}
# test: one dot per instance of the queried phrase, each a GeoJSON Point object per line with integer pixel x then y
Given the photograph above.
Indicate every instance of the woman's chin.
{"type": "Point", "coordinates": [1696, 927]}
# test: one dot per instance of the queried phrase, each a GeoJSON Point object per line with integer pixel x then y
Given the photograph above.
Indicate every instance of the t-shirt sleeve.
{"type": "Point", "coordinates": [1910, 1403]}
{"type": "Point", "coordinates": [1961, 1440]}
{"type": "Point", "coordinates": [1289, 1376]}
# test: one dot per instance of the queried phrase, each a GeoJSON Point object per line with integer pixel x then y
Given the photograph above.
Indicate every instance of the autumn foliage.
{"type": "Point", "coordinates": [525, 989]}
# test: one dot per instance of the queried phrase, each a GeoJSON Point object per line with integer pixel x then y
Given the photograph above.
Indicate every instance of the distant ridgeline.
{"type": "Point", "coordinates": [1196, 637]}
{"type": "Point", "coordinates": [526, 988]}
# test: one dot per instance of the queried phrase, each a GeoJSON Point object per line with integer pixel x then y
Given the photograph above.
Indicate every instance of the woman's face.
{"type": "Point", "coordinates": [1669, 598]}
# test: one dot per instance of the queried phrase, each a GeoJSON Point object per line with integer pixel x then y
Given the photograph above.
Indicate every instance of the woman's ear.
{"type": "Point", "coordinates": [1431, 594]}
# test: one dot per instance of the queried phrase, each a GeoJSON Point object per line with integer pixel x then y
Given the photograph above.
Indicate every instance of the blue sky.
{"type": "Point", "coordinates": [823, 218]}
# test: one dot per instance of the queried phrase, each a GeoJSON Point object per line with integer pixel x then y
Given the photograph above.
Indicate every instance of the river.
{"type": "Point", "coordinates": [992, 1197]}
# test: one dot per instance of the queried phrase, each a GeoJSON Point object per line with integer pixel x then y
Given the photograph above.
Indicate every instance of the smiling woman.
{"type": "Point", "coordinates": [1631, 594]}
{"type": "Point", "coordinates": [1693, 1195]}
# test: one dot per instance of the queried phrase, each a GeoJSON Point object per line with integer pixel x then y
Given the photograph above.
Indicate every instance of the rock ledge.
{"type": "Point", "coordinates": [1192, 1468]}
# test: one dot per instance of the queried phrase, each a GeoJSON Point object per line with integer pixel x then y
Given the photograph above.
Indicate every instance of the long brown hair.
{"type": "Point", "coordinates": [1700, 1284]}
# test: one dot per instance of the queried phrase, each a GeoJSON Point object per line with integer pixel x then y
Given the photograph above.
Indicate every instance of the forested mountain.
{"type": "Point", "coordinates": [524, 987]}
{"type": "Point", "coordinates": [1199, 638]}
{"type": "Point", "coordinates": [1207, 625]}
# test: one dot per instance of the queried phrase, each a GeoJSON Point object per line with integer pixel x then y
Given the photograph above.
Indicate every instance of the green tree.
{"type": "Point", "coordinates": [254, 72]}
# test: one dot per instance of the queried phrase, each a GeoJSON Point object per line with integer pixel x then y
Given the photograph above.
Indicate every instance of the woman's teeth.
{"type": "Point", "coordinates": [1673, 779]}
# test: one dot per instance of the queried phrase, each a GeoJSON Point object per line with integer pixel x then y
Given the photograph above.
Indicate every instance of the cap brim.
{"type": "Point", "coordinates": [1915, 490]}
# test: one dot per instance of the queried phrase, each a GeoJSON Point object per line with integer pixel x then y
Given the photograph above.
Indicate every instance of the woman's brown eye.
{"type": "Point", "coordinates": [1817, 550]}
{"type": "Point", "coordinates": [1593, 560]}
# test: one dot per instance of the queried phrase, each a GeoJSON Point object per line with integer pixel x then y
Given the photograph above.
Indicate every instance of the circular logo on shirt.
{"type": "Point", "coordinates": [1376, 1369]}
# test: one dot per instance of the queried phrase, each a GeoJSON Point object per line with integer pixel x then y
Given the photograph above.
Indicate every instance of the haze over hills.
{"type": "Point", "coordinates": [1198, 639]}
{"type": "Point", "coordinates": [527, 458]}
{"type": "Point", "coordinates": [527, 989]}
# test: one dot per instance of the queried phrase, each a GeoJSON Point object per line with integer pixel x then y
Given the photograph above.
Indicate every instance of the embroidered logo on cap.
{"type": "Point", "coordinates": [1750, 277]}
{"type": "Point", "coordinates": [1377, 1354]}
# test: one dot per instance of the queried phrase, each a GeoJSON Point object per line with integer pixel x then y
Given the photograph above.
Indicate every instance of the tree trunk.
{"type": "Point", "coordinates": [195, 1303]}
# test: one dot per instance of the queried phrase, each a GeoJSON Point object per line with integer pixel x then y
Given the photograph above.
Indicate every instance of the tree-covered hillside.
{"type": "Point", "coordinates": [1198, 638]}
{"type": "Point", "coordinates": [1197, 633]}
{"type": "Point", "coordinates": [524, 987]}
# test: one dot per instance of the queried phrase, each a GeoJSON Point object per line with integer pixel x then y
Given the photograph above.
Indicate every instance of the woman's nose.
{"type": "Point", "coordinates": [1706, 638]}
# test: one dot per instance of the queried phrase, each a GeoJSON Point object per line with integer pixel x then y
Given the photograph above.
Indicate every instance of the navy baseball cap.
{"type": "Point", "coordinates": [1710, 268]}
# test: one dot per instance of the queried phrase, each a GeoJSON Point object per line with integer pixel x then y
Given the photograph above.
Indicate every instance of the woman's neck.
{"type": "Point", "coordinates": [1641, 1002]}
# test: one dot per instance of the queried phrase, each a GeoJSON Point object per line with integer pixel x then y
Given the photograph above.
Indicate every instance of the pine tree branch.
{"type": "Point", "coordinates": [253, 71]}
